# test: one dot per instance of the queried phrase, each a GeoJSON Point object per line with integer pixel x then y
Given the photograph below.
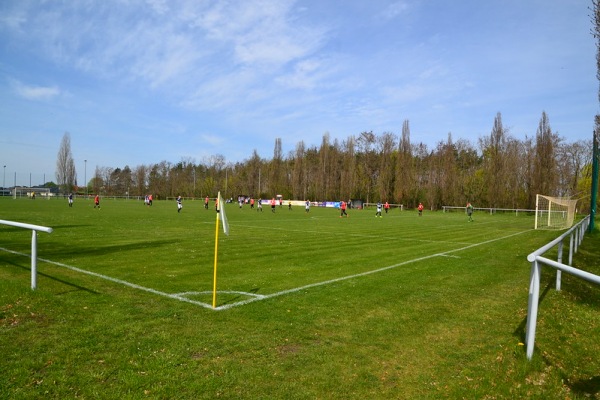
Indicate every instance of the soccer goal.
{"type": "Point", "coordinates": [554, 212]}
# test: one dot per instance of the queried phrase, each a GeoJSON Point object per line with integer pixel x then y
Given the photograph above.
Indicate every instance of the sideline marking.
{"type": "Point", "coordinates": [254, 296]}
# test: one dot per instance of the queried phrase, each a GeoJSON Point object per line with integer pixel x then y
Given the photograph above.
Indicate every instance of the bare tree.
{"type": "Point", "coordinates": [545, 171]}
{"type": "Point", "coordinates": [276, 173]}
{"type": "Point", "coordinates": [385, 147]}
{"type": "Point", "coordinates": [299, 172]}
{"type": "Point", "coordinates": [348, 166]}
{"type": "Point", "coordinates": [494, 167]}
{"type": "Point", "coordinates": [596, 34]}
{"type": "Point", "coordinates": [140, 178]}
{"type": "Point", "coordinates": [97, 181]}
{"type": "Point", "coordinates": [404, 184]}
{"type": "Point", "coordinates": [571, 159]}
{"type": "Point", "coordinates": [66, 175]}
{"type": "Point", "coordinates": [367, 165]}
{"type": "Point", "coordinates": [255, 164]}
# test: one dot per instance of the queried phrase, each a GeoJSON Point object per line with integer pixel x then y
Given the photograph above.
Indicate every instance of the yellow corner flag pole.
{"type": "Point", "coordinates": [214, 303]}
{"type": "Point", "coordinates": [220, 214]}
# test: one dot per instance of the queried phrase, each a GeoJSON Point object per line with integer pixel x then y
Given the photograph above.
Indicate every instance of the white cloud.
{"type": "Point", "coordinates": [159, 6]}
{"type": "Point", "coordinates": [212, 139]}
{"type": "Point", "coordinates": [31, 92]}
{"type": "Point", "coordinates": [395, 9]}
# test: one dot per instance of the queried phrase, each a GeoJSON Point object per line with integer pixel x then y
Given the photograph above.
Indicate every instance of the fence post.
{"type": "Point", "coordinates": [34, 229]}
{"type": "Point", "coordinates": [532, 308]}
{"type": "Point", "coordinates": [559, 272]}
{"type": "Point", "coordinates": [33, 259]}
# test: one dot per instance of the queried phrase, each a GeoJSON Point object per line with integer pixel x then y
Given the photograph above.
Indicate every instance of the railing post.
{"type": "Point", "coordinates": [571, 249]}
{"type": "Point", "coordinates": [559, 272]}
{"type": "Point", "coordinates": [33, 259]}
{"type": "Point", "coordinates": [532, 308]}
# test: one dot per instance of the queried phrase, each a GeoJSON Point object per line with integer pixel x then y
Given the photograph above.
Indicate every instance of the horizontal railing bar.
{"type": "Point", "coordinates": [570, 270]}
{"type": "Point", "coordinates": [27, 226]}
{"type": "Point", "coordinates": [531, 257]}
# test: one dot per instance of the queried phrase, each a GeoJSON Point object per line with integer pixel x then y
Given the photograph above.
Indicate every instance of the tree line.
{"type": "Point", "coordinates": [498, 171]}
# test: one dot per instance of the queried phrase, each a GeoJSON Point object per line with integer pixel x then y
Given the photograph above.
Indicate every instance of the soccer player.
{"type": "Point", "coordinates": [259, 207]}
{"type": "Point", "coordinates": [206, 202]}
{"type": "Point", "coordinates": [307, 206]}
{"type": "Point", "coordinates": [273, 204]}
{"type": "Point", "coordinates": [70, 199]}
{"type": "Point", "coordinates": [386, 207]}
{"type": "Point", "coordinates": [343, 209]}
{"type": "Point", "coordinates": [179, 205]}
{"type": "Point", "coordinates": [420, 208]}
{"type": "Point", "coordinates": [378, 213]}
{"type": "Point", "coordinates": [97, 201]}
{"type": "Point", "coordinates": [252, 203]}
{"type": "Point", "coordinates": [470, 211]}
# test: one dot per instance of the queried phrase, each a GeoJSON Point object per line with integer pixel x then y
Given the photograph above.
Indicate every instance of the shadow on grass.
{"type": "Point", "coordinates": [585, 387]}
{"type": "Point", "coordinates": [59, 227]}
{"type": "Point", "coordinates": [520, 331]}
{"type": "Point", "coordinates": [582, 292]}
{"type": "Point", "coordinates": [73, 251]}
{"type": "Point", "coordinates": [55, 279]}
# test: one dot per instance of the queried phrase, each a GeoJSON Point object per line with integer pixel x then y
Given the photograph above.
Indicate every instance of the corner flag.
{"type": "Point", "coordinates": [223, 216]}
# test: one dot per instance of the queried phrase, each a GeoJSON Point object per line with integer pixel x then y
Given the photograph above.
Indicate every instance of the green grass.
{"type": "Point", "coordinates": [444, 321]}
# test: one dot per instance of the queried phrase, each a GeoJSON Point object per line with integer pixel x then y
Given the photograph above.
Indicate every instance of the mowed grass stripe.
{"type": "Point", "coordinates": [156, 247]}
{"type": "Point", "coordinates": [442, 327]}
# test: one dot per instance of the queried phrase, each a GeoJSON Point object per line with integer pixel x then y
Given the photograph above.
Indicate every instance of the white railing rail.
{"type": "Point", "coordinates": [34, 230]}
{"type": "Point", "coordinates": [575, 235]}
{"type": "Point", "coordinates": [490, 210]}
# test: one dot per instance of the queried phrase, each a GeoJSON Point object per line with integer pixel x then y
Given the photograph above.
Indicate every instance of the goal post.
{"type": "Point", "coordinates": [554, 212]}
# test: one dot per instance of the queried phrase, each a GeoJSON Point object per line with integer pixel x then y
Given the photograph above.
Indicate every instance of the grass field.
{"type": "Point", "coordinates": [308, 306]}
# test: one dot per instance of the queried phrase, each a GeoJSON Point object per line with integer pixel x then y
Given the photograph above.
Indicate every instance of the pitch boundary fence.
{"type": "Point", "coordinates": [489, 210]}
{"type": "Point", "coordinates": [34, 231]}
{"type": "Point", "coordinates": [575, 236]}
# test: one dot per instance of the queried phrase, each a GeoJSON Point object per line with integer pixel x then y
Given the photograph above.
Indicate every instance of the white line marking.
{"type": "Point", "coordinates": [227, 306]}
{"type": "Point", "coordinates": [254, 296]}
{"type": "Point", "coordinates": [108, 278]}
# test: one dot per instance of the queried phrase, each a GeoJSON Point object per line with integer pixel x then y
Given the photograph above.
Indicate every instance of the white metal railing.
{"type": "Point", "coordinates": [34, 230]}
{"type": "Point", "coordinates": [575, 235]}
{"type": "Point", "coordinates": [490, 210]}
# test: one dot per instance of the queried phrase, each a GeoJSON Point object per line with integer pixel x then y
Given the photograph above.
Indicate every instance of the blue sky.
{"type": "Point", "coordinates": [142, 81]}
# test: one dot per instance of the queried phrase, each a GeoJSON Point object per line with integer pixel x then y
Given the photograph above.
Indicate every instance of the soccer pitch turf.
{"type": "Point", "coordinates": [309, 305]}
{"type": "Point", "coordinates": [266, 255]}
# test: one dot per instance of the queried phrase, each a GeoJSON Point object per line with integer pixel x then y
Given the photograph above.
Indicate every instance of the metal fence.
{"type": "Point", "coordinates": [575, 236]}
{"type": "Point", "coordinates": [34, 231]}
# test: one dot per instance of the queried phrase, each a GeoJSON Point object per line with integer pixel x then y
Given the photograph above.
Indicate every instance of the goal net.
{"type": "Point", "coordinates": [554, 212]}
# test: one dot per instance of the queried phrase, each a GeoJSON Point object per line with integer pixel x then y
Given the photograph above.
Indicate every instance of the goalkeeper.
{"type": "Point", "coordinates": [470, 211]}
